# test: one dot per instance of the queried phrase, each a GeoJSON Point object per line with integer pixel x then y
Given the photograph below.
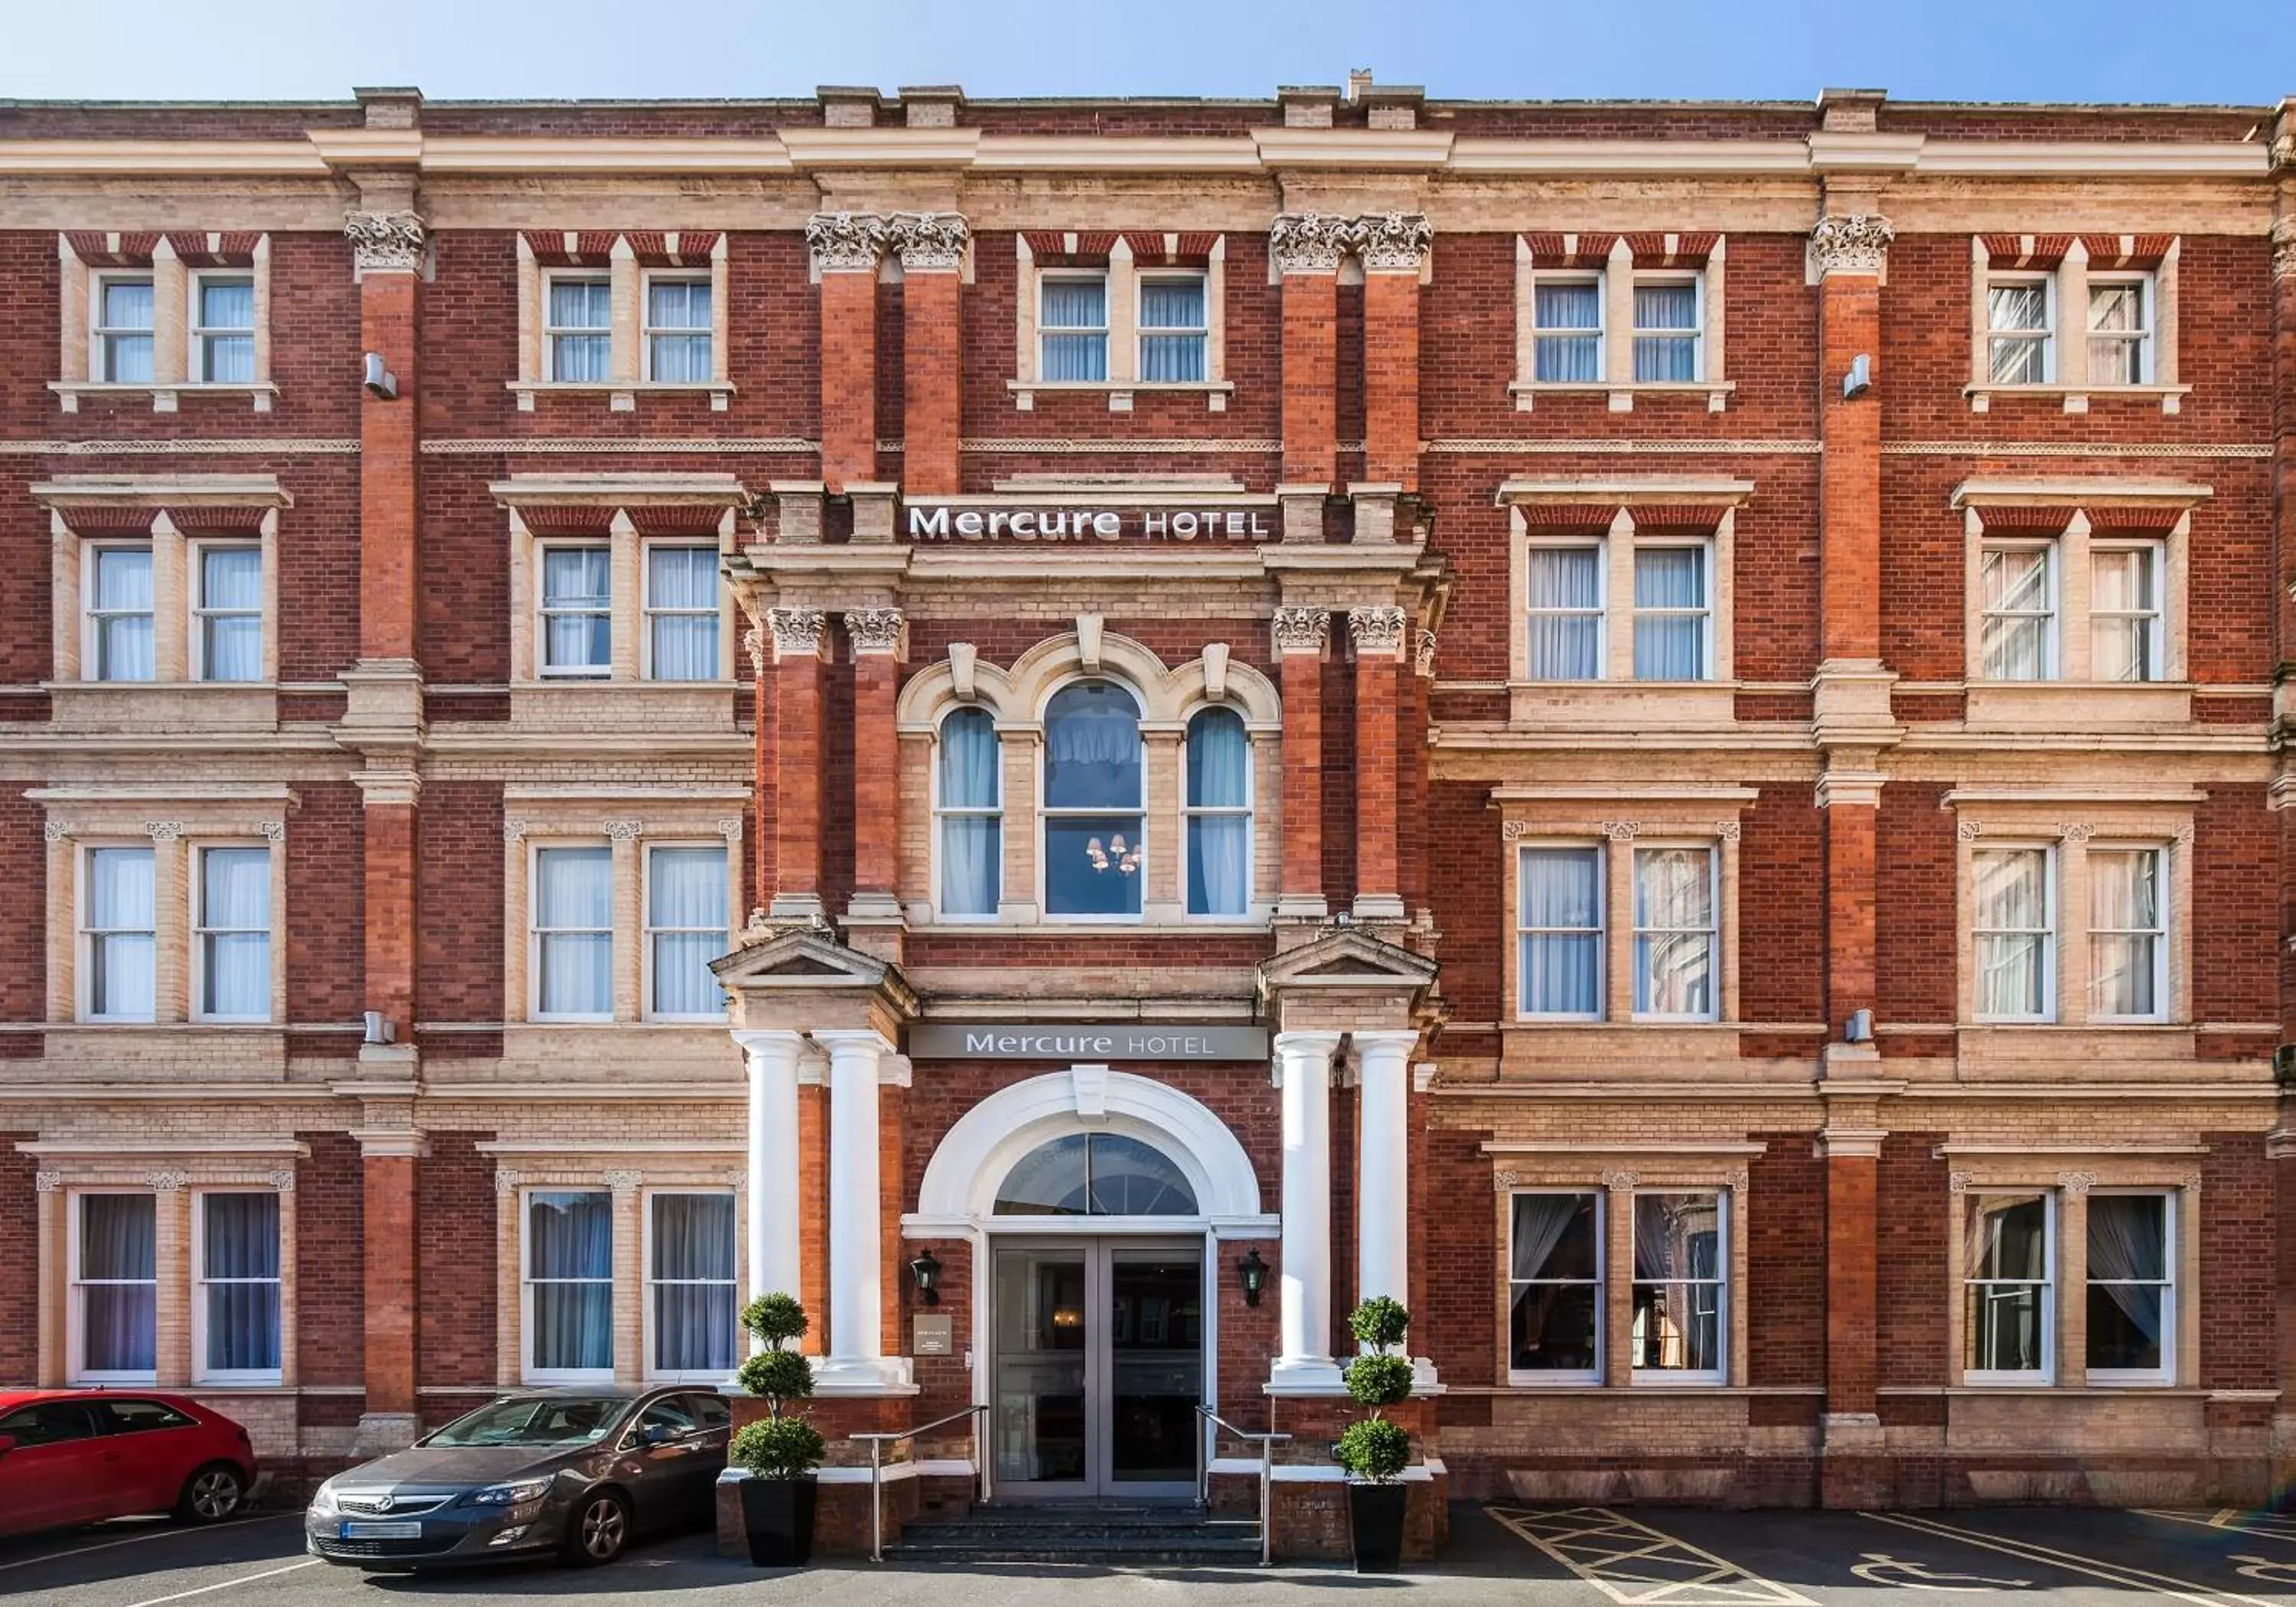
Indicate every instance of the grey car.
{"type": "Point", "coordinates": [573, 1473]}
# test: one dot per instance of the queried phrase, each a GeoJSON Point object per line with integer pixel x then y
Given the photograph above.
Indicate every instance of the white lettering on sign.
{"type": "Point", "coordinates": [928, 523]}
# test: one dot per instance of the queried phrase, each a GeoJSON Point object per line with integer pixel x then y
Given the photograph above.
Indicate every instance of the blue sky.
{"type": "Point", "coordinates": [2106, 50]}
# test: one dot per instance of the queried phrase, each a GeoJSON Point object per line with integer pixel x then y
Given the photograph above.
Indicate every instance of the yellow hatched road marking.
{"type": "Point", "coordinates": [2230, 1519]}
{"type": "Point", "coordinates": [1635, 1564]}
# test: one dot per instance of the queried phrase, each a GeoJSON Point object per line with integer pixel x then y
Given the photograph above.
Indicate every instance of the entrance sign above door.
{"type": "Point", "coordinates": [1228, 520]}
{"type": "Point", "coordinates": [1087, 1042]}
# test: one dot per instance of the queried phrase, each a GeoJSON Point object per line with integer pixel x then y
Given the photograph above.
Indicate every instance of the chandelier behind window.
{"type": "Point", "coordinates": [1115, 856]}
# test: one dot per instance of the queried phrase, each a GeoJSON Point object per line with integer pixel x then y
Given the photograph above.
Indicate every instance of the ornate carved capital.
{"type": "Point", "coordinates": [1969, 831]}
{"type": "Point", "coordinates": [624, 831]}
{"type": "Point", "coordinates": [753, 642]}
{"type": "Point", "coordinates": [2075, 830]}
{"type": "Point", "coordinates": [1376, 630]}
{"type": "Point", "coordinates": [1728, 830]}
{"type": "Point", "coordinates": [1424, 662]}
{"type": "Point", "coordinates": [1621, 831]}
{"type": "Point", "coordinates": [1394, 242]}
{"type": "Point", "coordinates": [2284, 249]}
{"type": "Point", "coordinates": [1302, 629]}
{"type": "Point", "coordinates": [845, 242]}
{"type": "Point", "coordinates": [928, 240]}
{"type": "Point", "coordinates": [47, 1182]}
{"type": "Point", "coordinates": [164, 831]}
{"type": "Point", "coordinates": [274, 831]}
{"type": "Point", "coordinates": [1621, 1183]}
{"type": "Point", "coordinates": [2076, 1184]}
{"type": "Point", "coordinates": [165, 1183]}
{"type": "Point", "coordinates": [513, 828]}
{"type": "Point", "coordinates": [796, 630]}
{"type": "Point", "coordinates": [624, 1181]}
{"type": "Point", "coordinates": [56, 831]}
{"type": "Point", "coordinates": [729, 827]}
{"type": "Point", "coordinates": [1858, 243]}
{"type": "Point", "coordinates": [873, 631]}
{"type": "Point", "coordinates": [283, 1180]}
{"type": "Point", "coordinates": [1309, 242]}
{"type": "Point", "coordinates": [1958, 1182]}
{"type": "Point", "coordinates": [506, 1180]}
{"type": "Point", "coordinates": [386, 242]}
{"type": "Point", "coordinates": [1514, 830]}
{"type": "Point", "coordinates": [1502, 1181]}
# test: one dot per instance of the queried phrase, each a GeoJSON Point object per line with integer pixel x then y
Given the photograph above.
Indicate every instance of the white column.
{"type": "Point", "coordinates": [1304, 1061]}
{"type": "Point", "coordinates": [774, 1259]}
{"type": "Point", "coordinates": [856, 1364]}
{"type": "Point", "coordinates": [1384, 1165]}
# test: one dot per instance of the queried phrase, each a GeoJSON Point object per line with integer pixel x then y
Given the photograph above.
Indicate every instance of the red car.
{"type": "Point", "coordinates": [76, 1455]}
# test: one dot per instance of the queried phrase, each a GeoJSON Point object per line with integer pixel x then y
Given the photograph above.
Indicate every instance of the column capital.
{"type": "Point", "coordinates": [1309, 242]}
{"type": "Point", "coordinates": [770, 1042]}
{"type": "Point", "coordinates": [929, 242]}
{"type": "Point", "coordinates": [384, 242]}
{"type": "Point", "coordinates": [1301, 629]}
{"type": "Point", "coordinates": [1376, 630]}
{"type": "Point", "coordinates": [1301, 1044]}
{"type": "Point", "coordinates": [852, 1040]}
{"type": "Point", "coordinates": [1388, 1046]}
{"type": "Point", "coordinates": [845, 242]}
{"type": "Point", "coordinates": [796, 631]}
{"type": "Point", "coordinates": [873, 631]}
{"type": "Point", "coordinates": [1394, 242]}
{"type": "Point", "coordinates": [1856, 242]}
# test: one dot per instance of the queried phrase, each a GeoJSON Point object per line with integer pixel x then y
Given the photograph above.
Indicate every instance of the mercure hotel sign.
{"type": "Point", "coordinates": [1086, 1042]}
{"type": "Point", "coordinates": [946, 522]}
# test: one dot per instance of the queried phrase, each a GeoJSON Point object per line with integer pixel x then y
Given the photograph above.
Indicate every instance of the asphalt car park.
{"type": "Point", "coordinates": [1523, 1556]}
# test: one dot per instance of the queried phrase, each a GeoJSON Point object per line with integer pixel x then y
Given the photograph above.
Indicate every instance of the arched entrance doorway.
{"type": "Point", "coordinates": [1094, 1200]}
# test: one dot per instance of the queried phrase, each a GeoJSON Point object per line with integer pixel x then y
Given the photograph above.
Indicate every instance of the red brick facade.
{"type": "Point", "coordinates": [1460, 394]}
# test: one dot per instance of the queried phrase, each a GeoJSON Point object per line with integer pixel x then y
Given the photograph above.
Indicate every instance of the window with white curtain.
{"type": "Point", "coordinates": [681, 612]}
{"type": "Point", "coordinates": [233, 934]}
{"type": "Point", "coordinates": [1559, 930]}
{"type": "Point", "coordinates": [685, 930]}
{"type": "Point", "coordinates": [1072, 328]}
{"type": "Point", "coordinates": [228, 612]}
{"type": "Point", "coordinates": [689, 1285]}
{"type": "Point", "coordinates": [117, 934]}
{"type": "Point", "coordinates": [119, 620]}
{"type": "Point", "coordinates": [2021, 329]}
{"type": "Point", "coordinates": [968, 796]}
{"type": "Point", "coordinates": [1567, 626]}
{"type": "Point", "coordinates": [1667, 326]}
{"type": "Point", "coordinates": [2128, 934]}
{"type": "Point", "coordinates": [1566, 343]}
{"type": "Point", "coordinates": [115, 1287]}
{"type": "Point", "coordinates": [1675, 934]}
{"type": "Point", "coordinates": [578, 328]}
{"type": "Point", "coordinates": [1096, 841]}
{"type": "Point", "coordinates": [574, 933]}
{"type": "Point", "coordinates": [2124, 612]}
{"type": "Point", "coordinates": [2120, 330]}
{"type": "Point", "coordinates": [1174, 327]}
{"type": "Point", "coordinates": [2017, 621]}
{"type": "Point", "coordinates": [236, 1313]}
{"type": "Point", "coordinates": [2132, 1288]}
{"type": "Point", "coordinates": [1674, 612]}
{"type": "Point", "coordinates": [1554, 1287]}
{"type": "Point", "coordinates": [578, 630]}
{"type": "Point", "coordinates": [2008, 1279]}
{"type": "Point", "coordinates": [1681, 1284]}
{"type": "Point", "coordinates": [2015, 931]}
{"type": "Point", "coordinates": [678, 329]}
{"type": "Point", "coordinates": [222, 331]}
{"type": "Point", "coordinates": [1217, 809]}
{"type": "Point", "coordinates": [569, 1252]}
{"type": "Point", "coordinates": [123, 329]}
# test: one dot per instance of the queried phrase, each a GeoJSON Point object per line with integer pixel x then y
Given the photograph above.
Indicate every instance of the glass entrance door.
{"type": "Point", "coordinates": [1099, 1362]}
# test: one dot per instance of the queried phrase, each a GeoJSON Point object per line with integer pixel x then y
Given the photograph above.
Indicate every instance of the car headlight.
{"type": "Point", "coordinates": [323, 1501]}
{"type": "Point", "coordinates": [509, 1494]}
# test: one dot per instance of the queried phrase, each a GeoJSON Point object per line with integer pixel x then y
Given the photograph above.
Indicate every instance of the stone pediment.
{"type": "Point", "coordinates": [1346, 957]}
{"type": "Point", "coordinates": [806, 959]}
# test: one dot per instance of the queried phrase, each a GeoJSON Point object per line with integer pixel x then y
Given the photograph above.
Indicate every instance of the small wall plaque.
{"type": "Point", "coordinates": [934, 1336]}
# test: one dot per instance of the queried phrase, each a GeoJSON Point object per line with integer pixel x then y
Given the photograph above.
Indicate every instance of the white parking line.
{"type": "Point", "coordinates": [156, 1532]}
{"type": "Point", "coordinates": [2095, 1567]}
{"type": "Point", "coordinates": [245, 1579]}
{"type": "Point", "coordinates": [2231, 1520]}
{"type": "Point", "coordinates": [1638, 1566]}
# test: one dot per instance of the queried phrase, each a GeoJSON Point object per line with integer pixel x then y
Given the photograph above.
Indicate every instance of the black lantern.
{"type": "Point", "coordinates": [1253, 1271]}
{"type": "Point", "coordinates": [926, 1270]}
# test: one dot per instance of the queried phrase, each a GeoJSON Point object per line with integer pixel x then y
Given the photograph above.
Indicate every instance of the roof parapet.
{"type": "Point", "coordinates": [1851, 110]}
{"type": "Point", "coordinates": [931, 105]}
{"type": "Point", "coordinates": [1307, 105]}
{"type": "Point", "coordinates": [391, 108]}
{"type": "Point", "coordinates": [848, 105]}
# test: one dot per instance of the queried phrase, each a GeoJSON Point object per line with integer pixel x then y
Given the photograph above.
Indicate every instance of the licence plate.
{"type": "Point", "coordinates": [404, 1529]}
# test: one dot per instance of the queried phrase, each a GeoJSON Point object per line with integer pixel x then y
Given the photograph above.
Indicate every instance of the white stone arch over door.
{"type": "Point", "coordinates": [958, 1191]}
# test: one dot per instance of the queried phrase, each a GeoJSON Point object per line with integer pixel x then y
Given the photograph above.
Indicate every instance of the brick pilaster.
{"type": "Point", "coordinates": [1377, 634]}
{"type": "Point", "coordinates": [876, 636]}
{"type": "Point", "coordinates": [1307, 248]}
{"type": "Point", "coordinates": [386, 1178]}
{"type": "Point", "coordinates": [798, 634]}
{"type": "Point", "coordinates": [845, 246]}
{"type": "Point", "coordinates": [387, 467]}
{"type": "Point", "coordinates": [1301, 634]}
{"type": "Point", "coordinates": [931, 247]}
{"type": "Point", "coordinates": [1394, 247]}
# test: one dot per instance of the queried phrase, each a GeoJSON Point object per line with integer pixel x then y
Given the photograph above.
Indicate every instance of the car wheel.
{"type": "Point", "coordinates": [211, 1495]}
{"type": "Point", "coordinates": [598, 1530]}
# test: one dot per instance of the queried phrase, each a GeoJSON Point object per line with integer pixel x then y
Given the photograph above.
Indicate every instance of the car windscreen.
{"type": "Point", "coordinates": [548, 1420]}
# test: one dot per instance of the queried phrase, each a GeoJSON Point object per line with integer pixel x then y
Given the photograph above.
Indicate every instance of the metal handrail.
{"type": "Point", "coordinates": [1266, 1443]}
{"type": "Point", "coordinates": [877, 1444]}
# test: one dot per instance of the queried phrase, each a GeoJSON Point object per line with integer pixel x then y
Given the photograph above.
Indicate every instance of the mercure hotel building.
{"type": "Point", "coordinates": [1085, 731]}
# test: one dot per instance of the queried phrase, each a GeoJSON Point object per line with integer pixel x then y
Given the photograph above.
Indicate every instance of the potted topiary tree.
{"type": "Point", "coordinates": [1376, 1450]}
{"type": "Point", "coordinates": [779, 1451]}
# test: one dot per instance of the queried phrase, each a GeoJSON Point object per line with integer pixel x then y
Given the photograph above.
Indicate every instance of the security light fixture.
{"type": "Point", "coordinates": [926, 1270]}
{"type": "Point", "coordinates": [1859, 380]}
{"type": "Point", "coordinates": [1253, 1272]}
{"type": "Point", "coordinates": [380, 382]}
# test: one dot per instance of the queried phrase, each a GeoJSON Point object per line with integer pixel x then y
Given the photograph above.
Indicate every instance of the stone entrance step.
{"type": "Point", "coordinates": [1119, 1534]}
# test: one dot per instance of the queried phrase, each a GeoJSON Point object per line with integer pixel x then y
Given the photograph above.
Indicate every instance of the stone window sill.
{"type": "Point", "coordinates": [2076, 397]}
{"type": "Point", "coordinates": [1120, 393]}
{"type": "Point", "coordinates": [1716, 392]}
{"type": "Point", "coordinates": [623, 396]}
{"type": "Point", "coordinates": [163, 397]}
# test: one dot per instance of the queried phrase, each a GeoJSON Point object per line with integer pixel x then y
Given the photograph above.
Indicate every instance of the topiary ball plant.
{"type": "Point", "coordinates": [1376, 1448]}
{"type": "Point", "coordinates": [778, 1446]}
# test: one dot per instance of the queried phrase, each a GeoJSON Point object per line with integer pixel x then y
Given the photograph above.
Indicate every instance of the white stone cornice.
{"type": "Point", "coordinates": [796, 631]}
{"type": "Point", "coordinates": [1309, 242]}
{"type": "Point", "coordinates": [384, 242]}
{"type": "Point", "coordinates": [845, 242]}
{"type": "Point", "coordinates": [1857, 242]}
{"type": "Point", "coordinates": [873, 631]}
{"type": "Point", "coordinates": [1394, 242]}
{"type": "Point", "coordinates": [1302, 629]}
{"type": "Point", "coordinates": [1376, 630]}
{"type": "Point", "coordinates": [927, 242]}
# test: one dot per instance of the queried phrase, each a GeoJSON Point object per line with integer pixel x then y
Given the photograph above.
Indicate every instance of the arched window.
{"type": "Point", "coordinates": [1095, 1175]}
{"type": "Point", "coordinates": [1218, 809]}
{"type": "Point", "coordinates": [1094, 824]}
{"type": "Point", "coordinates": [969, 792]}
